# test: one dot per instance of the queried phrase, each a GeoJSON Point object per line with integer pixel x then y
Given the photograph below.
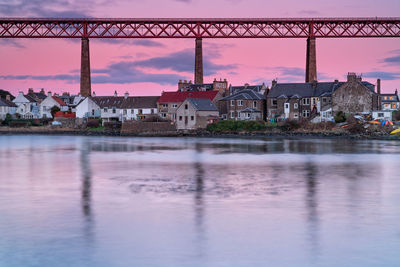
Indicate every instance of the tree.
{"type": "Point", "coordinates": [7, 119]}
{"type": "Point", "coordinates": [54, 110]}
{"type": "Point", "coordinates": [340, 117]}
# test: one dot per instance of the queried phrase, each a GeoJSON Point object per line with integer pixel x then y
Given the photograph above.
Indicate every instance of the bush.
{"type": "Point", "coordinates": [230, 125]}
{"type": "Point", "coordinates": [7, 119]}
{"type": "Point", "coordinates": [54, 110]}
{"type": "Point", "coordinates": [290, 125]}
{"type": "Point", "coordinates": [340, 117]}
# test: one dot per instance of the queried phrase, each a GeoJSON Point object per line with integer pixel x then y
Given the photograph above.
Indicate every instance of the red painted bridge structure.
{"type": "Point", "coordinates": [198, 29]}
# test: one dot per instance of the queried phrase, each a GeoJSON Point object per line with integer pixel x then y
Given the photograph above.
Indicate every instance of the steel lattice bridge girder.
{"type": "Point", "coordinates": [199, 28]}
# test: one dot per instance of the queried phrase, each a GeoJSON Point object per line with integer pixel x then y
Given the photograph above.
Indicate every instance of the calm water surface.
{"type": "Point", "coordinates": [97, 201]}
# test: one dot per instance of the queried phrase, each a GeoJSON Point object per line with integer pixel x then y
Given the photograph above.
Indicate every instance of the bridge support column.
{"type": "Point", "coordinates": [311, 61]}
{"type": "Point", "coordinates": [86, 87]}
{"type": "Point", "coordinates": [198, 68]}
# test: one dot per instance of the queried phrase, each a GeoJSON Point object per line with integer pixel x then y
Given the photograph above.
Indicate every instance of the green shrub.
{"type": "Point", "coordinates": [340, 117]}
{"type": "Point", "coordinates": [230, 125]}
{"type": "Point", "coordinates": [7, 119]}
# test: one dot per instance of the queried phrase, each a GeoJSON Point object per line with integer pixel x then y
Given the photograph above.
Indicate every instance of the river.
{"type": "Point", "coordinates": [110, 201]}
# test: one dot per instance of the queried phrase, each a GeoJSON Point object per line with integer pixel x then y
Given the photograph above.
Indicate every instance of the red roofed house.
{"type": "Point", "coordinates": [49, 102]}
{"type": "Point", "coordinates": [169, 102]}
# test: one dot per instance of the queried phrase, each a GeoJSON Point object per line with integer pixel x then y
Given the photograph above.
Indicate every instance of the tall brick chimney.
{"type": "Point", "coordinates": [378, 86]}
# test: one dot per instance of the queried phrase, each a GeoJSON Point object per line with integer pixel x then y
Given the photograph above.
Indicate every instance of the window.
{"type": "Point", "coordinates": [114, 110]}
{"type": "Point", "coordinates": [274, 102]}
{"type": "Point", "coordinates": [306, 113]}
{"type": "Point", "coordinates": [286, 105]}
{"type": "Point", "coordinates": [125, 111]}
{"type": "Point", "coordinates": [381, 115]}
{"type": "Point", "coordinates": [192, 118]}
{"type": "Point", "coordinates": [152, 111]}
{"type": "Point", "coordinates": [324, 100]}
{"type": "Point", "coordinates": [186, 106]}
{"type": "Point", "coordinates": [296, 106]}
{"type": "Point", "coordinates": [296, 115]}
{"type": "Point", "coordinates": [254, 104]}
{"type": "Point", "coordinates": [163, 115]}
{"type": "Point", "coordinates": [180, 118]}
{"type": "Point", "coordinates": [306, 101]}
{"type": "Point", "coordinates": [174, 105]}
{"type": "Point", "coordinates": [232, 103]}
{"type": "Point", "coordinates": [232, 114]}
{"type": "Point", "coordinates": [174, 116]}
{"type": "Point", "coordinates": [140, 111]}
{"type": "Point", "coordinates": [164, 105]}
{"type": "Point", "coordinates": [105, 109]}
{"type": "Point", "coordinates": [240, 102]}
{"type": "Point", "coordinates": [248, 115]}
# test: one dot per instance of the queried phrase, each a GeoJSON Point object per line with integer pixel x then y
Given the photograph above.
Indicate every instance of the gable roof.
{"type": "Point", "coordinates": [140, 102]}
{"type": "Point", "coordinates": [6, 103]}
{"type": "Point", "coordinates": [202, 104]}
{"type": "Point", "coordinates": [108, 101]}
{"type": "Point", "coordinates": [37, 95]}
{"type": "Point", "coordinates": [178, 97]}
{"type": "Point", "coordinates": [59, 100]}
{"type": "Point", "coordinates": [236, 89]}
{"type": "Point", "coordinates": [30, 98]}
{"type": "Point", "coordinates": [245, 95]}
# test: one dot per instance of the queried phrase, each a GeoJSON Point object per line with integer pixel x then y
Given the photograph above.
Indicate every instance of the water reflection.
{"type": "Point", "coordinates": [311, 180]}
{"type": "Point", "coordinates": [86, 191]}
{"type": "Point", "coordinates": [199, 205]}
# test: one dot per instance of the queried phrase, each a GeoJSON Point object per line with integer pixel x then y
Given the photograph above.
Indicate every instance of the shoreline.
{"type": "Point", "coordinates": [198, 134]}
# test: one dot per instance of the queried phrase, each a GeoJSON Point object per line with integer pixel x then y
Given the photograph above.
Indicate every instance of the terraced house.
{"type": "Point", "coordinates": [244, 105]}
{"type": "Point", "coordinates": [308, 100]}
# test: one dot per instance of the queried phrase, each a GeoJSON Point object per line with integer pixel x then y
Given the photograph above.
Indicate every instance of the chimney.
{"type": "Point", "coordinates": [378, 86]}
{"type": "Point", "coordinates": [94, 93]}
{"type": "Point", "coordinates": [115, 93]}
{"type": "Point", "coordinates": [274, 82]}
{"type": "Point", "coordinates": [351, 77]}
{"type": "Point", "coordinates": [49, 93]}
{"type": "Point", "coordinates": [126, 95]}
{"type": "Point", "coordinates": [396, 92]}
{"type": "Point", "coordinates": [180, 85]}
{"type": "Point", "coordinates": [42, 91]}
{"type": "Point", "coordinates": [30, 91]}
{"type": "Point", "coordinates": [21, 93]}
{"type": "Point", "coordinates": [336, 81]}
{"type": "Point", "coordinates": [8, 97]}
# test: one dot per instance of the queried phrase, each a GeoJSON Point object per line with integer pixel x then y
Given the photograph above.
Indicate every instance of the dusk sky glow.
{"type": "Point", "coordinates": [149, 66]}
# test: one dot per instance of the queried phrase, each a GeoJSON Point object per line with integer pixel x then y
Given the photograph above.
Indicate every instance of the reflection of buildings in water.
{"type": "Point", "coordinates": [311, 176]}
{"type": "Point", "coordinates": [199, 208]}
{"type": "Point", "coordinates": [86, 191]}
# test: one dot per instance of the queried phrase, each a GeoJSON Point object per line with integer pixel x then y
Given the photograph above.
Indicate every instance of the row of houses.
{"type": "Point", "coordinates": [194, 106]}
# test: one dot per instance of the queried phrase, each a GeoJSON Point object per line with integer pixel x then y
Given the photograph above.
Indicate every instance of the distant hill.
{"type": "Point", "coordinates": [3, 94]}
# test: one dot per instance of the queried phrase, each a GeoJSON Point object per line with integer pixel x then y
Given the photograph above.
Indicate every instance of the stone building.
{"type": "Point", "coordinates": [355, 96]}
{"type": "Point", "coordinates": [221, 86]}
{"type": "Point", "coordinates": [195, 113]}
{"type": "Point", "coordinates": [299, 100]}
{"type": "Point", "coordinates": [169, 102]}
{"type": "Point", "coordinates": [243, 105]}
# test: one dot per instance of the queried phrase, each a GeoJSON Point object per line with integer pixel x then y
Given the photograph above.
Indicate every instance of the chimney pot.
{"type": "Point", "coordinates": [30, 90]}
{"type": "Point", "coordinates": [115, 93]}
{"type": "Point", "coordinates": [48, 93]}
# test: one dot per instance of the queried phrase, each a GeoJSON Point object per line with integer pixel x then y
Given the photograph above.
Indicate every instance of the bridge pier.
{"type": "Point", "coordinates": [198, 65]}
{"type": "Point", "coordinates": [86, 87]}
{"type": "Point", "coordinates": [311, 60]}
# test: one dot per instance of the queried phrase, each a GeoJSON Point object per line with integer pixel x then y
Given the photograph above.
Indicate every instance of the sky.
{"type": "Point", "coordinates": [150, 66]}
